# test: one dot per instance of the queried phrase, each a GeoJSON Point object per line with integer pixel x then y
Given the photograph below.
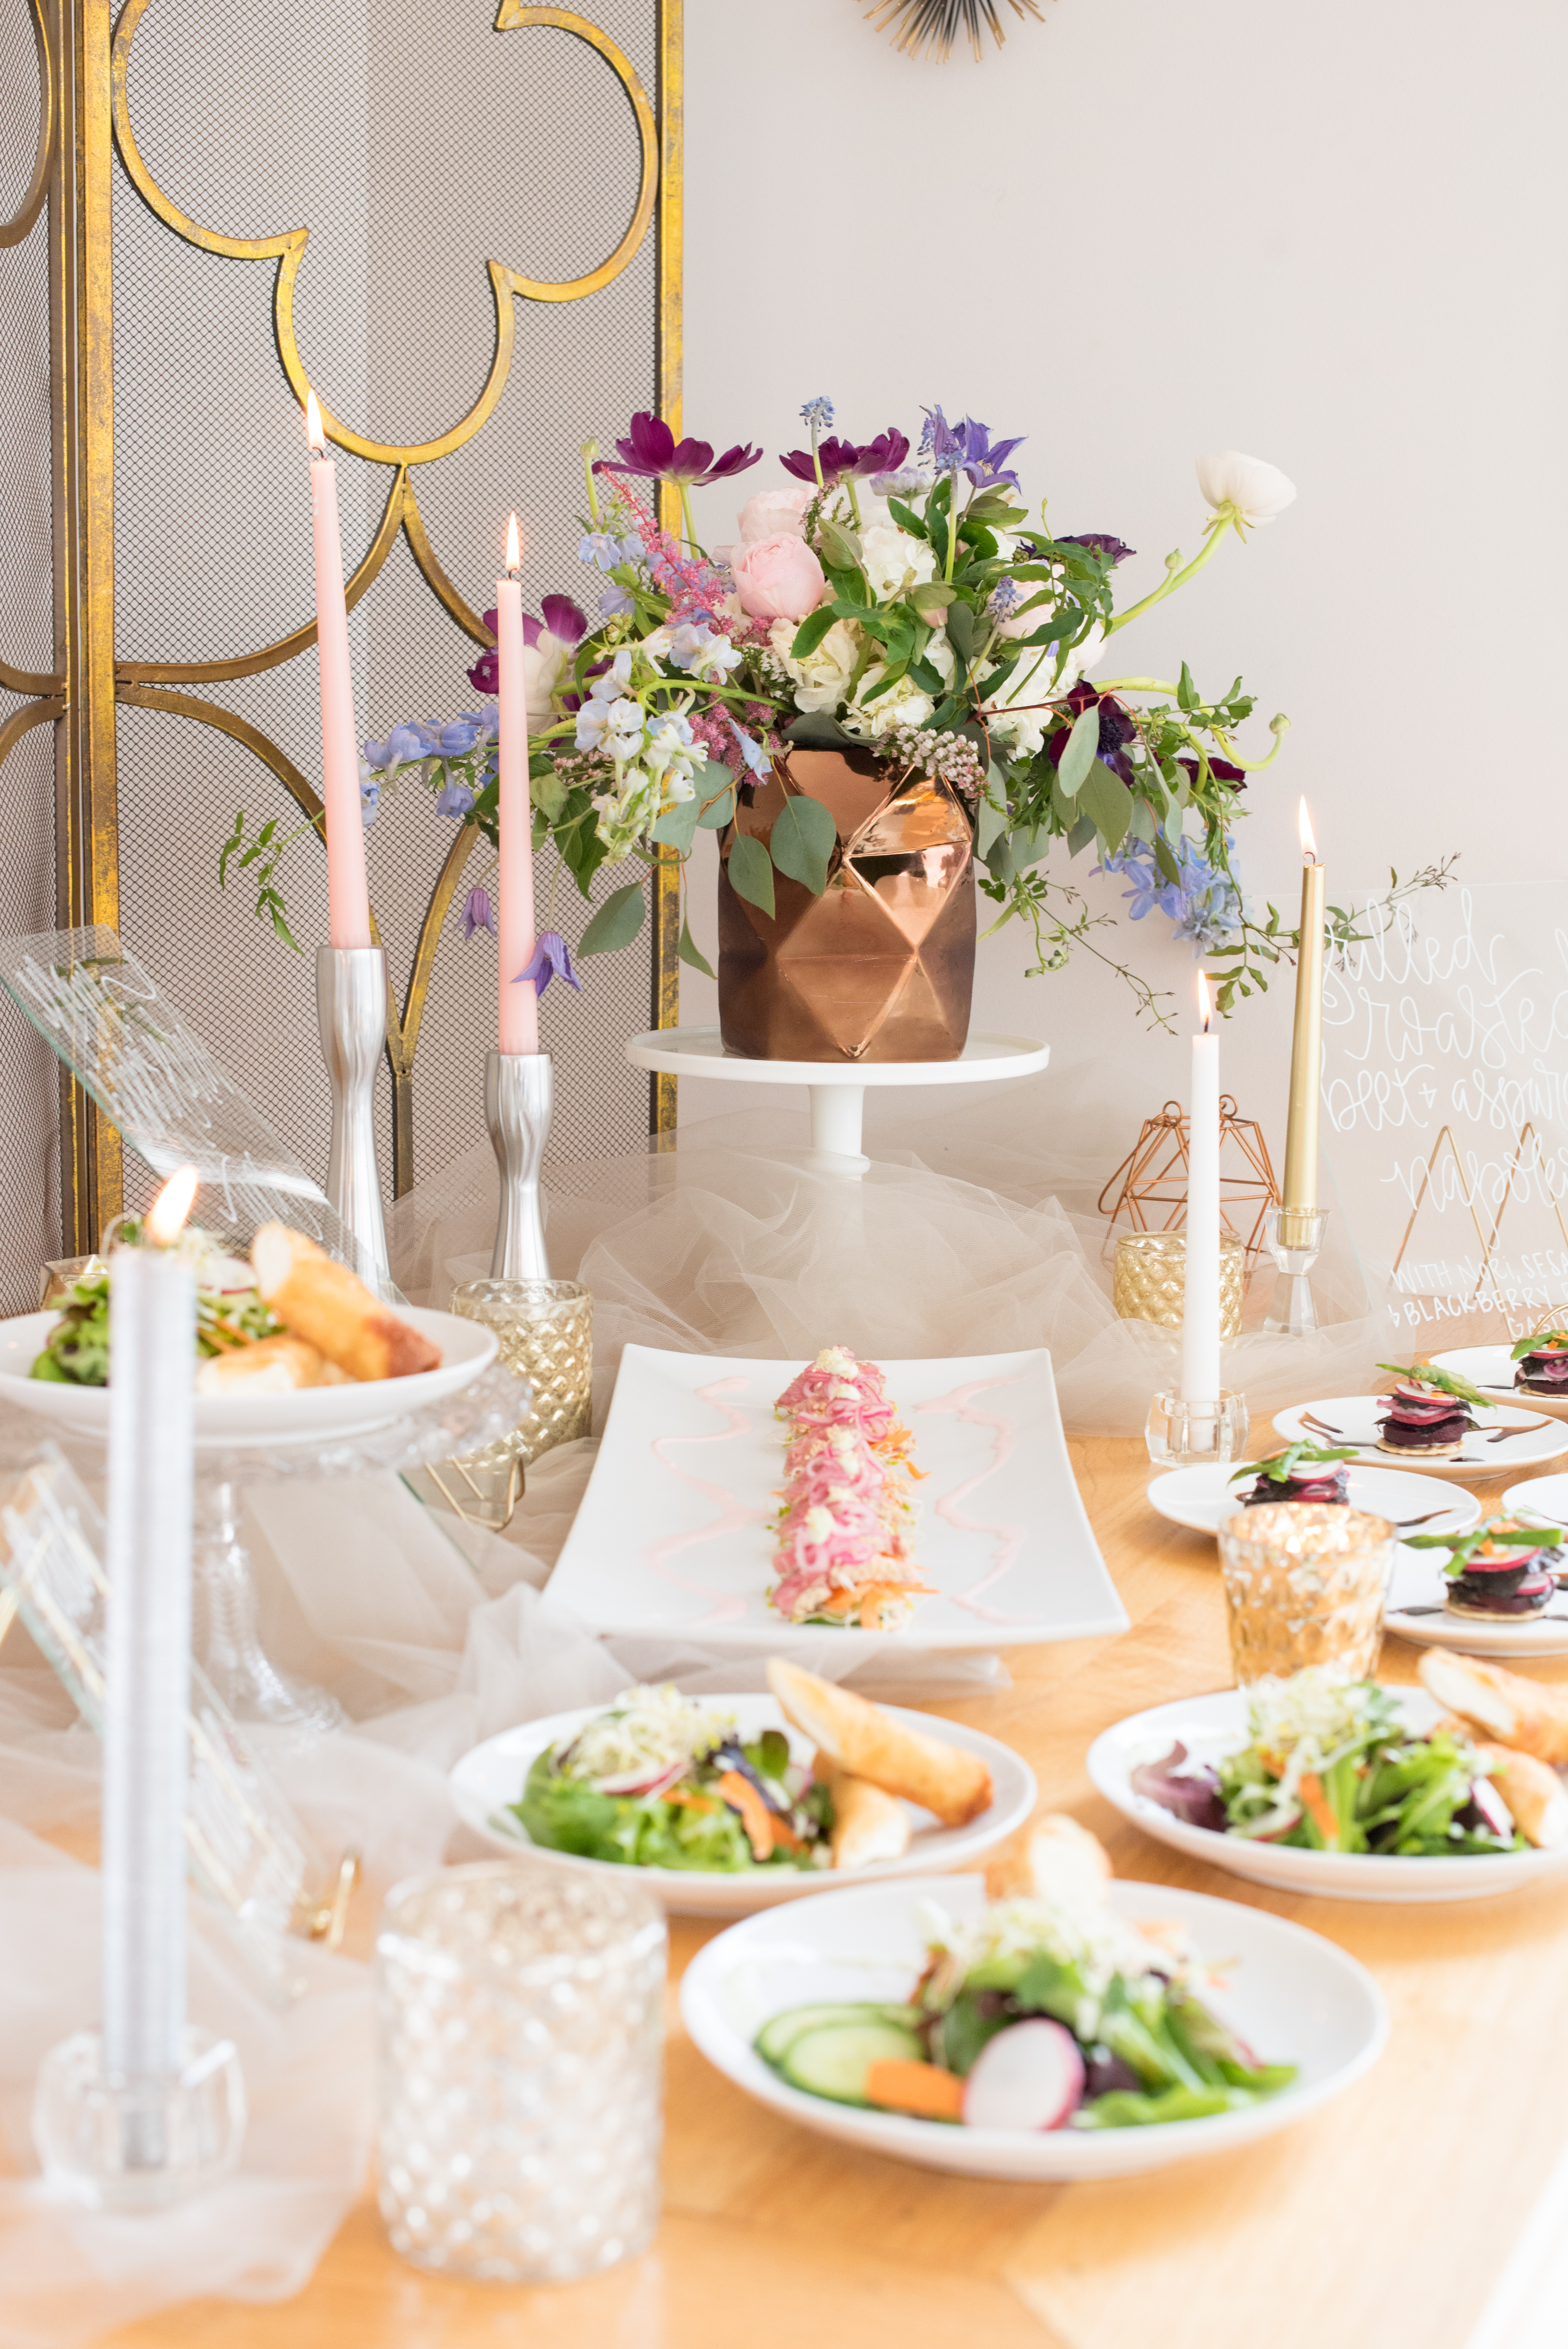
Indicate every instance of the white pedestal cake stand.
{"type": "Point", "coordinates": [838, 1088]}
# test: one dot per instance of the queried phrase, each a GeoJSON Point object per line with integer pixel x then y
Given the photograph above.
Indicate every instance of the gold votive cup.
{"type": "Point", "coordinates": [544, 1331]}
{"type": "Point", "coordinates": [1304, 1584]}
{"type": "Point", "coordinates": [1149, 1280]}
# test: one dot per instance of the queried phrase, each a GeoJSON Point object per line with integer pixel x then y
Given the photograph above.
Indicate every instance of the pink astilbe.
{"type": "Point", "coordinates": [697, 588]}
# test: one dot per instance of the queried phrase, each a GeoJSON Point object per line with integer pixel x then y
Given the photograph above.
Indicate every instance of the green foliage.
{"type": "Point", "coordinates": [751, 871]}
{"type": "Point", "coordinates": [616, 923]}
{"type": "Point", "coordinates": [803, 840]}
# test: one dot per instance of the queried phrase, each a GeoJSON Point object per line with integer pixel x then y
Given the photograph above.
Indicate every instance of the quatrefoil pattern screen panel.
{"type": "Point", "coordinates": [417, 146]}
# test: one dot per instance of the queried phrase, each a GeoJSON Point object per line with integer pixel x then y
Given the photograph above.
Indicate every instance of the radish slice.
{"type": "Point", "coordinates": [1030, 2077]}
{"type": "Point", "coordinates": [638, 1781]}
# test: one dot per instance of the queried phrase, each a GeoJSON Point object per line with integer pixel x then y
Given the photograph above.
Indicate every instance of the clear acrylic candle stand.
{"type": "Point", "coordinates": [1188, 1435]}
{"type": "Point", "coordinates": [1294, 1237]}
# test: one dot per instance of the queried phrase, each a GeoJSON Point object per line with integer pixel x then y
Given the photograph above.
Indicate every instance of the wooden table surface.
{"type": "Point", "coordinates": [1384, 2220]}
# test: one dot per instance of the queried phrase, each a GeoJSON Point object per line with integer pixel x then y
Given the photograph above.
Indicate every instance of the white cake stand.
{"type": "Point", "coordinates": [838, 1088]}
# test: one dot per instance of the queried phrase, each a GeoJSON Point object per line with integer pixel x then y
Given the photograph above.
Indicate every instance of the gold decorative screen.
{"type": "Point", "coordinates": [459, 226]}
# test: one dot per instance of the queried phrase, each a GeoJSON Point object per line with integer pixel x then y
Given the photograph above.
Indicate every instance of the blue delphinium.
{"type": "Point", "coordinates": [1205, 904]}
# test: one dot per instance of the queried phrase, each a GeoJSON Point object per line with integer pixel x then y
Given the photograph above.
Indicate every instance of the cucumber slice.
{"type": "Point", "coordinates": [834, 2062]}
{"type": "Point", "coordinates": [778, 2035]}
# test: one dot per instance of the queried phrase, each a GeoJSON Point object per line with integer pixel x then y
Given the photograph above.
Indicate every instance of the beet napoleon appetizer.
{"type": "Point", "coordinates": [1428, 1414]}
{"type": "Point", "coordinates": [1503, 1573]}
{"type": "Point", "coordinates": [1303, 1471]}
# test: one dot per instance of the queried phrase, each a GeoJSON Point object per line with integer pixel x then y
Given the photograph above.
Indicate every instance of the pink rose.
{"type": "Point", "coordinates": [778, 578]}
{"type": "Point", "coordinates": [776, 513]}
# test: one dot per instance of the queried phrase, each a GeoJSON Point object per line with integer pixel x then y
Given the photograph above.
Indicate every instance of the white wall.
{"type": "Point", "coordinates": [1331, 233]}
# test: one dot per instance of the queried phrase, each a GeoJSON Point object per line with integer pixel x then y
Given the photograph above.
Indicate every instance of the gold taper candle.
{"type": "Point", "coordinates": [1298, 1194]}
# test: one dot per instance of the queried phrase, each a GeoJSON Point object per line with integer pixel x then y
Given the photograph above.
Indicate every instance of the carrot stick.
{"type": "Point", "coordinates": [924, 2089]}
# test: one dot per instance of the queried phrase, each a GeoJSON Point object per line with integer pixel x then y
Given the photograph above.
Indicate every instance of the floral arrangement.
{"type": "Point", "coordinates": [907, 603]}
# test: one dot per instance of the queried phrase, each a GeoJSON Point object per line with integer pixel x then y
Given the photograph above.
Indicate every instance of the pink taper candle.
{"type": "Point", "coordinates": [347, 899]}
{"type": "Point", "coordinates": [518, 998]}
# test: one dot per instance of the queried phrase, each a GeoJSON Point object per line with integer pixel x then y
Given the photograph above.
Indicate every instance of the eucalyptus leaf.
{"type": "Point", "coordinates": [1165, 859]}
{"type": "Point", "coordinates": [804, 838]}
{"type": "Point", "coordinates": [812, 629]}
{"type": "Point", "coordinates": [1142, 824]}
{"type": "Point", "coordinates": [814, 729]}
{"type": "Point", "coordinates": [1079, 837]}
{"type": "Point", "coordinates": [689, 951]}
{"type": "Point", "coordinates": [714, 813]}
{"type": "Point", "coordinates": [677, 827]}
{"type": "Point", "coordinates": [548, 795]}
{"type": "Point", "coordinates": [615, 924]}
{"type": "Point", "coordinates": [1107, 798]}
{"type": "Point", "coordinates": [751, 871]}
{"type": "Point", "coordinates": [991, 818]}
{"type": "Point", "coordinates": [1081, 752]}
{"type": "Point", "coordinates": [964, 630]}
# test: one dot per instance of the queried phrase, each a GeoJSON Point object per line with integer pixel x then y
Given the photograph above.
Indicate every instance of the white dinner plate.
{"type": "Point", "coordinates": [1213, 1726]}
{"type": "Point", "coordinates": [240, 1418]}
{"type": "Point", "coordinates": [1293, 1997]}
{"type": "Point", "coordinates": [491, 1777]}
{"type": "Point", "coordinates": [1491, 1369]}
{"type": "Point", "coordinates": [673, 1536]}
{"type": "Point", "coordinates": [1504, 1438]}
{"type": "Point", "coordinates": [1544, 1499]}
{"type": "Point", "coordinates": [1204, 1497]}
{"type": "Point", "coordinates": [1419, 1582]}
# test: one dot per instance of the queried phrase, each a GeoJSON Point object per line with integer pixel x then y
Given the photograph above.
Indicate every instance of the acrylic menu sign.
{"type": "Point", "coordinates": [1445, 1104]}
{"type": "Point", "coordinates": [154, 1078]}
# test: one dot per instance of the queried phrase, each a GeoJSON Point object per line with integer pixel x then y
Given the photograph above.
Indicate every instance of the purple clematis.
{"type": "Point", "coordinates": [550, 959]}
{"type": "Point", "coordinates": [651, 448]}
{"type": "Point", "coordinates": [840, 459]}
{"type": "Point", "coordinates": [968, 447]}
{"type": "Point", "coordinates": [476, 914]}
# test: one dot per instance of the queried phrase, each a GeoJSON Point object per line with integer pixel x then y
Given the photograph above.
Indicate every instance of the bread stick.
{"type": "Point", "coordinates": [322, 1301]}
{"type": "Point", "coordinates": [271, 1366]}
{"type": "Point", "coordinates": [1525, 1715]}
{"type": "Point", "coordinates": [867, 1824]}
{"type": "Point", "coordinates": [862, 1739]}
{"type": "Point", "coordinates": [1534, 1793]}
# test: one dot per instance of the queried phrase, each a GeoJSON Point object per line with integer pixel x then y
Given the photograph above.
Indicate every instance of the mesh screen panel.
{"type": "Point", "coordinates": [29, 1098]}
{"type": "Point", "coordinates": [416, 144]}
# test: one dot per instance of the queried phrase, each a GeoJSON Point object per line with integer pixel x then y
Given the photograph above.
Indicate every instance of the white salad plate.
{"type": "Point", "coordinates": [673, 1534]}
{"type": "Point", "coordinates": [1204, 1497]}
{"type": "Point", "coordinates": [467, 1349]}
{"type": "Point", "coordinates": [1491, 1369]}
{"type": "Point", "coordinates": [1293, 1997]}
{"type": "Point", "coordinates": [1213, 1726]}
{"type": "Point", "coordinates": [1506, 1438]}
{"type": "Point", "coordinates": [491, 1777]}
{"type": "Point", "coordinates": [1419, 1582]}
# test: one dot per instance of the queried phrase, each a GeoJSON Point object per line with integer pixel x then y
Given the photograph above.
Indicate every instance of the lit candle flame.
{"type": "Point", "coordinates": [513, 550]}
{"type": "Point", "coordinates": [166, 1216]}
{"type": "Point", "coordinates": [1308, 844]}
{"type": "Point", "coordinates": [1205, 1003]}
{"type": "Point", "coordinates": [313, 431]}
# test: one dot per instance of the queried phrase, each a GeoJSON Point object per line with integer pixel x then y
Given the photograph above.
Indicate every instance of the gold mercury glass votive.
{"type": "Point", "coordinates": [544, 1330]}
{"type": "Point", "coordinates": [1149, 1280]}
{"type": "Point", "coordinates": [1304, 1584]}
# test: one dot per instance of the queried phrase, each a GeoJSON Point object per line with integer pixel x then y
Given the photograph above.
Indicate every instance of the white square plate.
{"type": "Point", "coordinates": [673, 1534]}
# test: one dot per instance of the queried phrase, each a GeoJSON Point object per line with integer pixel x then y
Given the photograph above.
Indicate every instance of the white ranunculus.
{"type": "Point", "coordinates": [888, 554]}
{"type": "Point", "coordinates": [902, 704]}
{"type": "Point", "coordinates": [775, 514]}
{"type": "Point", "coordinates": [542, 662]}
{"type": "Point", "coordinates": [822, 678]}
{"type": "Point", "coordinates": [1043, 674]}
{"type": "Point", "coordinates": [1258, 492]}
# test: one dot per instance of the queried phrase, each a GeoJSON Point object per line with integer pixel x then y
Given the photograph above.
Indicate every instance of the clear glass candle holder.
{"type": "Point", "coordinates": [520, 2112]}
{"type": "Point", "coordinates": [544, 1330]}
{"type": "Point", "coordinates": [1184, 1435]}
{"type": "Point", "coordinates": [1149, 1279]}
{"type": "Point", "coordinates": [1304, 1584]}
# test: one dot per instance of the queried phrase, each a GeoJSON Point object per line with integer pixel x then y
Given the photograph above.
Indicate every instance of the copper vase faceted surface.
{"type": "Point", "coordinates": [881, 966]}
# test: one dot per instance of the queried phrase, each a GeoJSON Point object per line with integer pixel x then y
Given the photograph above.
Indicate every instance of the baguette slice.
{"type": "Point", "coordinates": [867, 1824]}
{"type": "Point", "coordinates": [1050, 1854]}
{"type": "Point", "coordinates": [860, 1737]}
{"type": "Point", "coordinates": [271, 1366]}
{"type": "Point", "coordinates": [320, 1301]}
{"type": "Point", "coordinates": [1525, 1715]}
{"type": "Point", "coordinates": [1534, 1793]}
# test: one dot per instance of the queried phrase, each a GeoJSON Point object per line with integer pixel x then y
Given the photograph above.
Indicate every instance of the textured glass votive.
{"type": "Point", "coordinates": [545, 1332]}
{"type": "Point", "coordinates": [1304, 1584]}
{"type": "Point", "coordinates": [1184, 1435]}
{"type": "Point", "coordinates": [521, 2029]}
{"type": "Point", "coordinates": [1149, 1282]}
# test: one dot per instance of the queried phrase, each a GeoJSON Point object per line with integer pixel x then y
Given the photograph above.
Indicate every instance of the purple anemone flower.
{"type": "Point", "coordinates": [477, 914]}
{"type": "Point", "coordinates": [550, 959]}
{"type": "Point", "coordinates": [1100, 541]}
{"type": "Point", "coordinates": [485, 674]}
{"type": "Point", "coordinates": [565, 621]}
{"type": "Point", "coordinates": [840, 459]}
{"type": "Point", "coordinates": [651, 448]}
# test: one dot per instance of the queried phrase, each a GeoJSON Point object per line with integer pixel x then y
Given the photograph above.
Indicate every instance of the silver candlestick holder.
{"type": "Point", "coordinates": [350, 1010]}
{"type": "Point", "coordinates": [1294, 1237]}
{"type": "Point", "coordinates": [520, 1088]}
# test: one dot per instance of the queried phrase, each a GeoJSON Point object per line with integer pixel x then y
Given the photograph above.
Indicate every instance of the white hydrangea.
{"type": "Point", "coordinates": [1043, 673]}
{"type": "Point", "coordinates": [904, 704]}
{"type": "Point", "coordinates": [822, 678]}
{"type": "Point", "coordinates": [889, 555]}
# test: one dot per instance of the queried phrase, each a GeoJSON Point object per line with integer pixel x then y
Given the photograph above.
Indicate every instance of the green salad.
{"type": "Point", "coordinates": [1330, 1764]}
{"type": "Point", "coordinates": [228, 1311]}
{"type": "Point", "coordinates": [662, 1781]}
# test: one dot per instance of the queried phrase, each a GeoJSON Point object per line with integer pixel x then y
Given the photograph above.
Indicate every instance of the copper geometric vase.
{"type": "Point", "coordinates": [881, 966]}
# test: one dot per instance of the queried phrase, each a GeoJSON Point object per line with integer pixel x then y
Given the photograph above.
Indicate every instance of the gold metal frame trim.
{"type": "Point", "coordinates": [21, 222]}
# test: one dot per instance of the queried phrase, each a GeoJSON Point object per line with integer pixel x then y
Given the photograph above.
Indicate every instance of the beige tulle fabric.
{"type": "Point", "coordinates": [974, 1232]}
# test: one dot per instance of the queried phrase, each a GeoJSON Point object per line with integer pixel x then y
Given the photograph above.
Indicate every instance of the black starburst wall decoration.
{"type": "Point", "coordinates": [930, 27]}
